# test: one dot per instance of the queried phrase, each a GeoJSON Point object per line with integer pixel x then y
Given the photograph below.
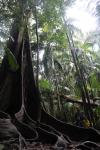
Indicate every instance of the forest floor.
{"type": "Point", "coordinates": [40, 146]}
{"type": "Point", "coordinates": [37, 146]}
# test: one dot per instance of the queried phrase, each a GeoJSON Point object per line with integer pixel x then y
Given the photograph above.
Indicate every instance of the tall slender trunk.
{"type": "Point", "coordinates": [84, 91]}
{"type": "Point", "coordinates": [37, 37]}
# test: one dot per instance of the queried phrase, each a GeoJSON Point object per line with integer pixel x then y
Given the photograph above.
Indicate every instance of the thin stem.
{"type": "Point", "coordinates": [37, 37]}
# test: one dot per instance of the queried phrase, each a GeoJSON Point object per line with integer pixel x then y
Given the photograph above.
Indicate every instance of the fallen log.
{"type": "Point", "coordinates": [72, 100]}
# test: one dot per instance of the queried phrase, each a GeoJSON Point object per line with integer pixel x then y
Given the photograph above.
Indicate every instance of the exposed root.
{"type": "Point", "coordinates": [73, 132]}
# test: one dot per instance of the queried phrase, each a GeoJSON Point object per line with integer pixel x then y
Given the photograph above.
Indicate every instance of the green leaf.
{"type": "Point", "coordinates": [11, 60]}
{"type": "Point", "coordinates": [86, 46]}
{"type": "Point", "coordinates": [45, 84]}
{"type": "Point", "coordinates": [57, 63]}
{"type": "Point", "coordinates": [94, 82]}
